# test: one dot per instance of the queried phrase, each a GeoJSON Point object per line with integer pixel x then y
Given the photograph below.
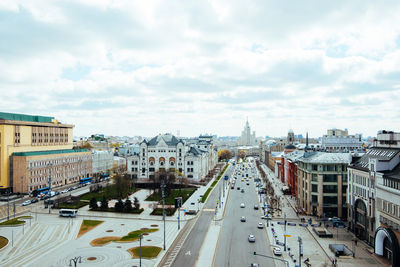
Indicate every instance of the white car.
{"type": "Point", "coordinates": [242, 205]}
{"type": "Point", "coordinates": [260, 226]}
{"type": "Point", "coordinates": [252, 238]}
{"type": "Point", "coordinates": [243, 219]}
{"type": "Point", "coordinates": [26, 203]}
{"type": "Point", "coordinates": [64, 191]}
{"type": "Point", "coordinates": [277, 252]}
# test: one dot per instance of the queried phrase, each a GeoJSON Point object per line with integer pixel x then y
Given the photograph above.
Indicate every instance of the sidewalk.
{"type": "Point", "coordinates": [314, 247]}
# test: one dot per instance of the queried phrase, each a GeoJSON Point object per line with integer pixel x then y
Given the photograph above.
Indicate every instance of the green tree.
{"type": "Point", "coordinates": [128, 205]}
{"type": "Point", "coordinates": [119, 206]}
{"type": "Point", "coordinates": [104, 203]}
{"type": "Point", "coordinates": [136, 203]}
{"type": "Point", "coordinates": [93, 204]}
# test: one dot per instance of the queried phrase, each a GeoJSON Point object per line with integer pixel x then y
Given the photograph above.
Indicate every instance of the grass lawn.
{"type": "Point", "coordinates": [170, 199]}
{"type": "Point", "coordinates": [88, 225]}
{"type": "Point", "coordinates": [15, 221]}
{"type": "Point", "coordinates": [3, 242]}
{"type": "Point", "coordinates": [132, 236]}
{"type": "Point", "coordinates": [109, 192]}
{"type": "Point", "coordinates": [77, 205]}
{"type": "Point", "coordinates": [204, 198]}
{"type": "Point", "coordinates": [168, 211]}
{"type": "Point", "coordinates": [148, 252]}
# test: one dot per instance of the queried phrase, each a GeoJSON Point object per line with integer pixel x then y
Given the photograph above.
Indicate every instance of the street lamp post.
{"type": "Point", "coordinates": [284, 235]}
{"type": "Point", "coordinates": [163, 203]}
{"type": "Point", "coordinates": [75, 260]}
{"type": "Point", "coordinates": [300, 243]}
{"type": "Point", "coordinates": [140, 250]}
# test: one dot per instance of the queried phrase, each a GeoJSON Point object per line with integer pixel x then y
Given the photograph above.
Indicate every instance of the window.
{"type": "Point", "coordinates": [314, 188]}
{"type": "Point", "coordinates": [330, 189]}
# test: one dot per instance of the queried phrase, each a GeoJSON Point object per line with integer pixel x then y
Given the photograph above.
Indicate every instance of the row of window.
{"type": "Point", "coordinates": [388, 207]}
{"type": "Point", "coordinates": [391, 183]}
{"type": "Point", "coordinates": [59, 161]}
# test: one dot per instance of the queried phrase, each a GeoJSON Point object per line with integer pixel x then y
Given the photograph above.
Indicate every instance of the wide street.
{"type": "Point", "coordinates": [234, 249]}
{"type": "Point", "coordinates": [189, 253]}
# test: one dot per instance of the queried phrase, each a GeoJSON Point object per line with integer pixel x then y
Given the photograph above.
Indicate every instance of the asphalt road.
{"type": "Point", "coordinates": [234, 249]}
{"type": "Point", "coordinates": [189, 252]}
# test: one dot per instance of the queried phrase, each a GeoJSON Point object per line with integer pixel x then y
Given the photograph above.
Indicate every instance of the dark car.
{"type": "Point", "coordinates": [242, 191]}
{"type": "Point", "coordinates": [34, 200]}
{"type": "Point", "coordinates": [238, 188]}
{"type": "Point", "coordinates": [256, 207]}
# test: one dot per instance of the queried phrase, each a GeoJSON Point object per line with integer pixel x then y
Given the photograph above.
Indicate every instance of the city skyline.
{"type": "Point", "coordinates": [146, 68]}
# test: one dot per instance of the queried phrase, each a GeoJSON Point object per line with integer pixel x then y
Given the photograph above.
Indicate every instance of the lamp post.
{"type": "Point", "coordinates": [300, 243]}
{"type": "Point", "coordinates": [163, 203]}
{"type": "Point", "coordinates": [284, 235]}
{"type": "Point", "coordinates": [48, 202]}
{"type": "Point", "coordinates": [75, 260]}
{"type": "Point", "coordinates": [140, 250]}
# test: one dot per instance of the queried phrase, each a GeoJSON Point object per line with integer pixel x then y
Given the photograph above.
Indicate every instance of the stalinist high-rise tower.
{"type": "Point", "coordinates": [247, 139]}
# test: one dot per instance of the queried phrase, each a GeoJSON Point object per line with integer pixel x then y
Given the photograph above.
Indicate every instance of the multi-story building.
{"type": "Point", "coordinates": [289, 163]}
{"type": "Point", "coordinates": [102, 161]}
{"type": "Point", "coordinates": [365, 177]}
{"type": "Point", "coordinates": [43, 146]}
{"type": "Point", "coordinates": [322, 183]}
{"type": "Point", "coordinates": [247, 138]}
{"type": "Point", "coordinates": [194, 160]}
{"type": "Point", "coordinates": [337, 140]}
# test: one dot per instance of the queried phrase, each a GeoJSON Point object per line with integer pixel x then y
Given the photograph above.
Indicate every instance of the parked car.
{"type": "Point", "coordinates": [242, 205]}
{"type": "Point", "coordinates": [254, 265]}
{"type": "Point", "coordinates": [252, 238]}
{"type": "Point", "coordinates": [243, 219]}
{"type": "Point", "coordinates": [64, 191]}
{"type": "Point", "coordinates": [277, 251]}
{"type": "Point", "coordinates": [26, 203]}
{"type": "Point", "coordinates": [242, 191]}
{"type": "Point", "coordinates": [238, 188]}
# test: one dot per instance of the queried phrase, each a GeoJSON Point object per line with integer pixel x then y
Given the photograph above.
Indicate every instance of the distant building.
{"type": "Point", "coordinates": [194, 158]}
{"type": "Point", "coordinates": [340, 141]}
{"type": "Point", "coordinates": [248, 138]}
{"type": "Point", "coordinates": [102, 161]}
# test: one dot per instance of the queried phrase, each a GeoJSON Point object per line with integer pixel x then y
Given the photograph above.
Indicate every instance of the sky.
{"type": "Point", "coordinates": [132, 68]}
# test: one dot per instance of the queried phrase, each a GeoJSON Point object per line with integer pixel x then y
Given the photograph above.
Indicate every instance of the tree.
{"type": "Point", "coordinates": [93, 204]}
{"type": "Point", "coordinates": [104, 203]}
{"type": "Point", "coordinates": [119, 206]}
{"type": "Point", "coordinates": [224, 154]}
{"type": "Point", "coordinates": [122, 185]}
{"type": "Point", "coordinates": [241, 154]}
{"type": "Point", "coordinates": [136, 203]}
{"type": "Point", "coordinates": [128, 205]}
{"type": "Point", "coordinates": [168, 178]}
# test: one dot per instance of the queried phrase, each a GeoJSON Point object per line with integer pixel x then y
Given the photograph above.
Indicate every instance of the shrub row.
{"type": "Point", "coordinates": [204, 198]}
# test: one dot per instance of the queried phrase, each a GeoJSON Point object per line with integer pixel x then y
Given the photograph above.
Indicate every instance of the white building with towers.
{"type": "Point", "coordinates": [247, 138]}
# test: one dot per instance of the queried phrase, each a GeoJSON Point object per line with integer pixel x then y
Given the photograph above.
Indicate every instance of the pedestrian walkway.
{"type": "Point", "coordinates": [315, 248]}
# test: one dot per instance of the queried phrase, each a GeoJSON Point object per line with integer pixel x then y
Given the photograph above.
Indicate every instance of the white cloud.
{"type": "Point", "coordinates": [159, 66]}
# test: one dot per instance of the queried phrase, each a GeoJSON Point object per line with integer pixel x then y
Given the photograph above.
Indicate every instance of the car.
{"type": "Point", "coordinates": [238, 188]}
{"type": "Point", "coordinates": [242, 205]}
{"type": "Point", "coordinates": [64, 191]}
{"type": "Point", "coordinates": [34, 200]}
{"type": "Point", "coordinates": [243, 219]}
{"type": "Point", "coordinates": [252, 238]}
{"type": "Point", "coordinates": [247, 183]}
{"type": "Point", "coordinates": [277, 251]}
{"type": "Point", "coordinates": [26, 203]}
{"type": "Point", "coordinates": [242, 191]}
{"type": "Point", "coordinates": [254, 265]}
{"type": "Point", "coordinates": [74, 187]}
{"type": "Point", "coordinates": [260, 226]}
{"type": "Point", "coordinates": [232, 187]}
{"type": "Point", "coordinates": [256, 207]}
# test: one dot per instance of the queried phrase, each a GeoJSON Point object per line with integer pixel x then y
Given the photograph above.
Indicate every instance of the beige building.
{"type": "Point", "coordinates": [322, 183]}
{"type": "Point", "coordinates": [20, 133]}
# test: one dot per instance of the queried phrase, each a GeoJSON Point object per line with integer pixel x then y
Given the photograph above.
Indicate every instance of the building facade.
{"type": "Point", "coordinates": [322, 183]}
{"type": "Point", "coordinates": [193, 159]}
{"type": "Point", "coordinates": [102, 161]}
{"type": "Point", "coordinates": [247, 138]}
{"type": "Point", "coordinates": [39, 169]}
{"type": "Point", "coordinates": [337, 140]}
{"type": "Point", "coordinates": [20, 133]}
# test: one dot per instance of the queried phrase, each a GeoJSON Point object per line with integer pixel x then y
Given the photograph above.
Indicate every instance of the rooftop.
{"type": "Point", "coordinates": [382, 154]}
{"type": "Point", "coordinates": [326, 158]}
{"type": "Point", "coordinates": [24, 117]}
{"type": "Point", "coordinates": [48, 152]}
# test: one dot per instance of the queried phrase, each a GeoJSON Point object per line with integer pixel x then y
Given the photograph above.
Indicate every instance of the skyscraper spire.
{"type": "Point", "coordinates": [306, 141]}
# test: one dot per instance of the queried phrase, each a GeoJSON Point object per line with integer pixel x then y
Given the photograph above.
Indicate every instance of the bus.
{"type": "Point", "coordinates": [85, 180]}
{"type": "Point", "coordinates": [40, 191]}
{"type": "Point", "coordinates": [68, 212]}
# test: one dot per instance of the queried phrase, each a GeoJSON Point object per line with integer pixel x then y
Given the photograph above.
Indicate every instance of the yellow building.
{"type": "Point", "coordinates": [20, 133]}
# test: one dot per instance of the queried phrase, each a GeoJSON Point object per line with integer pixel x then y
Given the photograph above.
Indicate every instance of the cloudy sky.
{"type": "Point", "coordinates": [147, 67]}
